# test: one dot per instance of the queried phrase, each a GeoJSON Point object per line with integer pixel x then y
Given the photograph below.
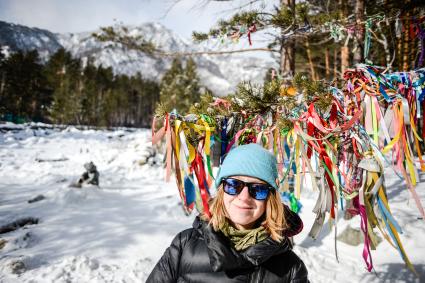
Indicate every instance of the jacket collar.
{"type": "Point", "coordinates": [224, 258]}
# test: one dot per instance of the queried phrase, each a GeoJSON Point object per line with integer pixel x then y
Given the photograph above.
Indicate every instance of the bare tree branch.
{"type": "Point", "coordinates": [177, 54]}
{"type": "Point", "coordinates": [320, 66]}
{"type": "Point", "coordinates": [321, 42]}
{"type": "Point", "coordinates": [171, 7]}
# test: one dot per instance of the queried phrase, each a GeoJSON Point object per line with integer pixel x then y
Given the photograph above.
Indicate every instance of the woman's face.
{"type": "Point", "coordinates": [243, 210]}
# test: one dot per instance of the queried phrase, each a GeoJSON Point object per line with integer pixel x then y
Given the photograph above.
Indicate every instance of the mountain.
{"type": "Point", "coordinates": [16, 37]}
{"type": "Point", "coordinates": [221, 73]}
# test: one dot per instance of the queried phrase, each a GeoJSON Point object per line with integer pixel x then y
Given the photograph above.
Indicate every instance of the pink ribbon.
{"type": "Point", "coordinates": [363, 225]}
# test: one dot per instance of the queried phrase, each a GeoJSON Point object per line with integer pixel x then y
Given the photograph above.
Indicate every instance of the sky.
{"type": "Point", "coordinates": [181, 16]}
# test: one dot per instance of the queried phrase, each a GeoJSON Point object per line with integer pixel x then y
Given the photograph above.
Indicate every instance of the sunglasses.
{"type": "Point", "coordinates": [257, 191]}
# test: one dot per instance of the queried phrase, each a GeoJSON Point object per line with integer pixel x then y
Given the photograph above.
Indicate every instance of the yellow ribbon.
{"type": "Point", "coordinates": [297, 165]}
{"type": "Point", "coordinates": [177, 124]}
{"type": "Point", "coordinates": [207, 138]}
{"type": "Point", "coordinates": [394, 231]}
{"type": "Point", "coordinates": [398, 116]}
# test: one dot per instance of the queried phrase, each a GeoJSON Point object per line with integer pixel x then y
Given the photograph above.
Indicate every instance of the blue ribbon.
{"type": "Point", "coordinates": [223, 139]}
{"type": "Point", "coordinates": [384, 93]}
{"type": "Point", "coordinates": [388, 215]}
{"type": "Point", "coordinates": [189, 190]}
{"type": "Point", "coordinates": [389, 229]}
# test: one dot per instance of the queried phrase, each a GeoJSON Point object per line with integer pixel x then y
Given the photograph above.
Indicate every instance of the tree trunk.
{"type": "Point", "coordinates": [287, 49]}
{"type": "Point", "coordinates": [310, 60]}
{"type": "Point", "coordinates": [384, 42]}
{"type": "Point", "coordinates": [345, 52]}
{"type": "Point", "coordinates": [413, 52]}
{"type": "Point", "coordinates": [400, 52]}
{"type": "Point", "coordinates": [345, 56]}
{"type": "Point", "coordinates": [327, 64]}
{"type": "Point", "coordinates": [360, 31]}
{"type": "Point", "coordinates": [2, 82]}
{"type": "Point", "coordinates": [406, 45]}
{"type": "Point", "coordinates": [335, 63]}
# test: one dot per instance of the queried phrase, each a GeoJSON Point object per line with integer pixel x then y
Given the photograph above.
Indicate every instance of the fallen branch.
{"type": "Point", "coordinates": [18, 224]}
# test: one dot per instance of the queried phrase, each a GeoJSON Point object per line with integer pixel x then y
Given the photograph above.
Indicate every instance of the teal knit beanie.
{"type": "Point", "coordinates": [249, 160]}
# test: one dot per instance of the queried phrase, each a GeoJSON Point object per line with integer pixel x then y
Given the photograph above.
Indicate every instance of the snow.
{"type": "Point", "coordinates": [117, 232]}
{"type": "Point", "coordinates": [5, 50]}
{"type": "Point", "coordinates": [109, 234]}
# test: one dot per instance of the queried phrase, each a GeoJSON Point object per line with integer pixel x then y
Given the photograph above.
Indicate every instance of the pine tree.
{"type": "Point", "coordinates": [180, 87]}
{"type": "Point", "coordinates": [22, 90]}
{"type": "Point", "coordinates": [172, 94]}
{"type": "Point", "coordinates": [61, 91]}
{"type": "Point", "coordinates": [150, 95]}
{"type": "Point", "coordinates": [2, 85]}
{"type": "Point", "coordinates": [64, 77]}
{"type": "Point", "coordinates": [268, 77]}
{"type": "Point", "coordinates": [124, 102]}
{"type": "Point", "coordinates": [105, 101]}
{"type": "Point", "coordinates": [191, 81]}
{"type": "Point", "coordinates": [303, 28]}
{"type": "Point", "coordinates": [89, 102]}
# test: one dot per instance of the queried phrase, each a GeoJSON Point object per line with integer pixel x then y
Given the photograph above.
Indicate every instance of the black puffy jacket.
{"type": "Point", "coordinates": [200, 254]}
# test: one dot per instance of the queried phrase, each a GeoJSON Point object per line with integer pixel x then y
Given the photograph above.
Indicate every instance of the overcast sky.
{"type": "Point", "coordinates": [87, 15]}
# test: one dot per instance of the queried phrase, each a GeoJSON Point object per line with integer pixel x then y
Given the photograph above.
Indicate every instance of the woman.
{"type": "Point", "coordinates": [246, 238]}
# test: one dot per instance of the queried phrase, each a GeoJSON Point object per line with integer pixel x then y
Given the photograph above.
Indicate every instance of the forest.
{"type": "Point", "coordinates": [63, 90]}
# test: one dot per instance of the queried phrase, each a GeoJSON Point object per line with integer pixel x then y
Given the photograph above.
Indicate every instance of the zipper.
{"type": "Point", "coordinates": [255, 276]}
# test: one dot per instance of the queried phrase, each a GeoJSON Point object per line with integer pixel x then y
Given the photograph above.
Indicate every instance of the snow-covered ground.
{"type": "Point", "coordinates": [118, 232]}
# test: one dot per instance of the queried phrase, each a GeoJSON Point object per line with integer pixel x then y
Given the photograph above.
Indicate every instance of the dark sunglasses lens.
{"type": "Point", "coordinates": [259, 192]}
{"type": "Point", "coordinates": [232, 186]}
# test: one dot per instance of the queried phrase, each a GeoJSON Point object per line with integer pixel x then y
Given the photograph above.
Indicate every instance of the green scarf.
{"type": "Point", "coordinates": [243, 239]}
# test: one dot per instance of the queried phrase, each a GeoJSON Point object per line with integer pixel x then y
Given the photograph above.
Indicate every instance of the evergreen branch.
{"type": "Point", "coordinates": [161, 110]}
{"type": "Point", "coordinates": [121, 35]}
{"type": "Point", "coordinates": [139, 44]}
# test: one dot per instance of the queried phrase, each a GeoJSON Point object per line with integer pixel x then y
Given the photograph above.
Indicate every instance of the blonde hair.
{"type": "Point", "coordinates": [274, 220]}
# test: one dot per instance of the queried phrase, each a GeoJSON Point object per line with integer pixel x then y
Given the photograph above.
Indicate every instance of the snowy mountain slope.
{"type": "Point", "coordinates": [118, 232]}
{"type": "Point", "coordinates": [219, 73]}
{"type": "Point", "coordinates": [25, 38]}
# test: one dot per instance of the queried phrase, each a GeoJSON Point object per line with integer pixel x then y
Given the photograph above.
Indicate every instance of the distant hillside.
{"type": "Point", "coordinates": [219, 73]}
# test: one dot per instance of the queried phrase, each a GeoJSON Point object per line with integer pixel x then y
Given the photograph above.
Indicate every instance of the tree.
{"type": "Point", "coordinates": [191, 81]}
{"type": "Point", "coordinates": [64, 77]}
{"type": "Point", "coordinates": [287, 47]}
{"type": "Point", "coordinates": [62, 91]}
{"type": "Point", "coordinates": [179, 86]}
{"type": "Point", "coordinates": [2, 83]}
{"type": "Point", "coordinates": [22, 86]}
{"type": "Point", "coordinates": [360, 35]}
{"type": "Point", "coordinates": [89, 102]}
{"type": "Point", "coordinates": [143, 96]}
{"type": "Point", "coordinates": [298, 30]}
{"type": "Point", "coordinates": [150, 91]}
{"type": "Point", "coordinates": [104, 83]}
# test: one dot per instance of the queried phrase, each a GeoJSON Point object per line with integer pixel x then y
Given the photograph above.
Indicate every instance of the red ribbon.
{"type": "Point", "coordinates": [198, 167]}
{"type": "Point", "coordinates": [251, 29]}
{"type": "Point", "coordinates": [323, 156]}
{"type": "Point", "coordinates": [423, 124]}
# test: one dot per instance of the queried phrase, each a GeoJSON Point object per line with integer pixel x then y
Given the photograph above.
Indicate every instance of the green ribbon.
{"type": "Point", "coordinates": [209, 167]}
{"type": "Point", "coordinates": [368, 26]}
